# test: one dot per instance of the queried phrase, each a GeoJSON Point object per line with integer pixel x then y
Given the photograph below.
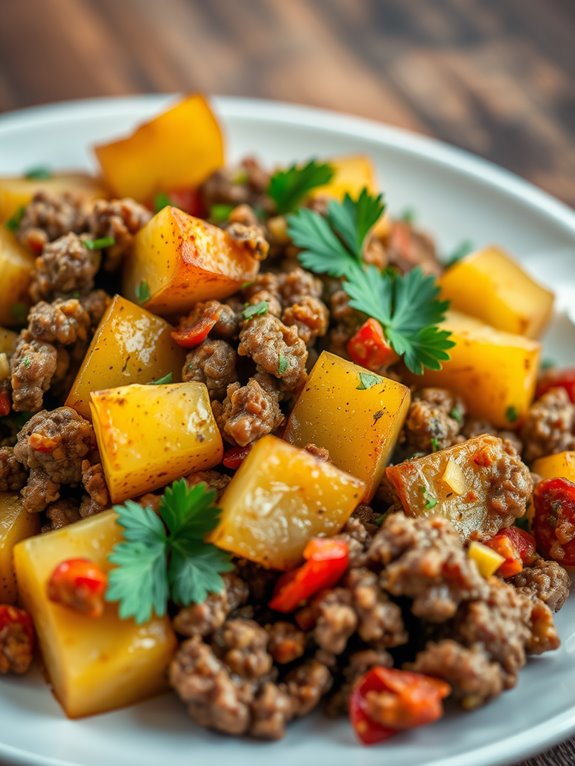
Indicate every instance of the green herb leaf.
{"type": "Point", "coordinates": [189, 511]}
{"type": "Point", "coordinates": [139, 581]}
{"type": "Point", "coordinates": [283, 364]}
{"type": "Point", "coordinates": [456, 414]}
{"type": "Point", "coordinates": [19, 312]}
{"type": "Point", "coordinates": [548, 364]}
{"type": "Point", "coordinates": [408, 215]}
{"type": "Point", "coordinates": [288, 188]}
{"type": "Point", "coordinates": [523, 523]}
{"type": "Point", "coordinates": [353, 219]}
{"type": "Point", "coordinates": [98, 244]}
{"type": "Point", "coordinates": [434, 444]}
{"type": "Point", "coordinates": [161, 200]}
{"type": "Point", "coordinates": [143, 292]}
{"type": "Point", "coordinates": [430, 500]}
{"type": "Point", "coordinates": [463, 249]}
{"type": "Point", "coordinates": [194, 571]}
{"type": "Point", "coordinates": [167, 378]}
{"type": "Point", "coordinates": [511, 413]}
{"type": "Point", "coordinates": [26, 362]}
{"type": "Point", "coordinates": [257, 309]}
{"type": "Point", "coordinates": [367, 380]}
{"type": "Point", "coordinates": [220, 213]}
{"type": "Point", "coordinates": [39, 173]}
{"type": "Point", "coordinates": [14, 223]}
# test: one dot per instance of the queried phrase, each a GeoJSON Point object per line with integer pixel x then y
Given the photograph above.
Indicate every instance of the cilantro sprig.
{"type": "Point", "coordinates": [165, 557]}
{"type": "Point", "coordinates": [289, 187]}
{"type": "Point", "coordinates": [407, 306]}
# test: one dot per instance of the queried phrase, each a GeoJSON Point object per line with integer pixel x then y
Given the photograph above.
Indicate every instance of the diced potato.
{"type": "Point", "coordinates": [7, 341]}
{"type": "Point", "coordinates": [493, 371]}
{"type": "Point", "coordinates": [422, 488]}
{"type": "Point", "coordinates": [352, 174]}
{"type": "Point", "coordinates": [150, 435]}
{"type": "Point", "coordinates": [130, 346]}
{"type": "Point", "coordinates": [178, 260]}
{"type": "Point", "coordinates": [279, 498]}
{"type": "Point", "coordinates": [93, 664]}
{"type": "Point", "coordinates": [357, 424]}
{"type": "Point", "coordinates": [15, 525]}
{"type": "Point", "coordinates": [560, 465]}
{"type": "Point", "coordinates": [491, 286]}
{"type": "Point", "coordinates": [178, 148]}
{"type": "Point", "coordinates": [16, 267]}
{"type": "Point", "coordinates": [16, 191]}
{"type": "Point", "coordinates": [488, 561]}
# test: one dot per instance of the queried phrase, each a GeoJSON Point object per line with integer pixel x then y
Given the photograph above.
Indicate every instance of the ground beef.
{"type": "Point", "coordinates": [48, 217]}
{"type": "Point", "coordinates": [242, 645]}
{"type": "Point", "coordinates": [355, 665]}
{"type": "Point", "coordinates": [61, 513]}
{"type": "Point", "coordinates": [53, 445]}
{"type": "Point", "coordinates": [251, 238]}
{"type": "Point", "coordinates": [549, 426]}
{"type": "Point", "coordinates": [271, 710]}
{"type": "Point", "coordinates": [380, 622]}
{"type": "Point", "coordinates": [205, 618]}
{"type": "Point", "coordinates": [546, 580]}
{"type": "Point", "coordinates": [94, 483]}
{"type": "Point", "coordinates": [310, 316]}
{"type": "Point", "coordinates": [264, 296]}
{"type": "Point", "coordinates": [213, 362]}
{"type": "Point", "coordinates": [120, 219]}
{"type": "Point", "coordinates": [275, 348]}
{"type": "Point", "coordinates": [297, 284]}
{"type": "Point", "coordinates": [510, 491]}
{"type": "Point", "coordinates": [63, 321]}
{"type": "Point", "coordinates": [473, 677]}
{"type": "Point", "coordinates": [33, 367]}
{"type": "Point", "coordinates": [66, 266]}
{"type": "Point", "coordinates": [264, 282]}
{"type": "Point", "coordinates": [16, 649]}
{"type": "Point", "coordinates": [423, 559]}
{"type": "Point", "coordinates": [286, 642]}
{"type": "Point", "coordinates": [475, 427]}
{"type": "Point", "coordinates": [306, 685]}
{"type": "Point", "coordinates": [248, 413]}
{"type": "Point", "coordinates": [214, 480]}
{"type": "Point", "coordinates": [408, 247]}
{"type": "Point", "coordinates": [95, 302]}
{"type": "Point", "coordinates": [335, 619]}
{"type": "Point", "coordinates": [237, 185]}
{"type": "Point", "coordinates": [13, 475]}
{"type": "Point", "coordinates": [227, 321]}
{"type": "Point", "coordinates": [433, 421]}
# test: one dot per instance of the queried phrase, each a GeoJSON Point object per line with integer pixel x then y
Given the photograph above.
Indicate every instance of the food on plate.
{"type": "Point", "coordinates": [250, 452]}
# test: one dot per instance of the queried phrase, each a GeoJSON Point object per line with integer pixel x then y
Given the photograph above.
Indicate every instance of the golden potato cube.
{"type": "Point", "coordinates": [279, 498]}
{"type": "Point", "coordinates": [424, 488]}
{"type": "Point", "coordinates": [94, 664]}
{"type": "Point", "coordinates": [178, 148]}
{"type": "Point", "coordinates": [562, 465]}
{"type": "Point", "coordinates": [488, 561]}
{"type": "Point", "coordinates": [354, 414]}
{"type": "Point", "coordinates": [15, 525]}
{"type": "Point", "coordinates": [130, 346]}
{"type": "Point", "coordinates": [16, 191]}
{"type": "Point", "coordinates": [351, 175]}
{"type": "Point", "coordinates": [494, 372]}
{"type": "Point", "coordinates": [16, 267]}
{"type": "Point", "coordinates": [150, 435]}
{"type": "Point", "coordinates": [7, 341]}
{"type": "Point", "coordinates": [178, 260]}
{"type": "Point", "coordinates": [491, 286]}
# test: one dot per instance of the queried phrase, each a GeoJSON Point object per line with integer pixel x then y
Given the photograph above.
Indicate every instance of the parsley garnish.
{"type": "Point", "coordinates": [456, 414]}
{"type": "Point", "coordinates": [434, 444]}
{"type": "Point", "coordinates": [143, 291]}
{"type": "Point", "coordinates": [367, 380]}
{"type": "Point", "coordinates": [13, 223]}
{"type": "Point", "coordinates": [288, 188]}
{"type": "Point", "coordinates": [19, 312]}
{"type": "Point", "coordinates": [257, 309]}
{"type": "Point", "coordinates": [282, 364]}
{"type": "Point", "coordinates": [165, 557]}
{"type": "Point", "coordinates": [161, 201]}
{"type": "Point", "coordinates": [39, 173]}
{"type": "Point", "coordinates": [26, 362]}
{"type": "Point", "coordinates": [511, 413]}
{"type": "Point", "coordinates": [167, 378]}
{"type": "Point", "coordinates": [408, 215]}
{"type": "Point", "coordinates": [407, 306]}
{"type": "Point", "coordinates": [548, 364]}
{"type": "Point", "coordinates": [98, 244]}
{"type": "Point", "coordinates": [220, 213]}
{"type": "Point", "coordinates": [462, 249]}
{"type": "Point", "coordinates": [430, 501]}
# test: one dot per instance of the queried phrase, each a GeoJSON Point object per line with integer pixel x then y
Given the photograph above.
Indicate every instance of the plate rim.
{"type": "Point", "coordinates": [527, 194]}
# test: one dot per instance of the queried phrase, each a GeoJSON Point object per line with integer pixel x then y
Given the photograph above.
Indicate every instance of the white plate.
{"type": "Point", "coordinates": [456, 197]}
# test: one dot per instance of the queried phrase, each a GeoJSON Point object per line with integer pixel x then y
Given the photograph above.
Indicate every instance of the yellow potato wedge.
{"type": "Point", "coordinates": [15, 525]}
{"type": "Point", "coordinates": [560, 465]}
{"type": "Point", "coordinates": [16, 267]}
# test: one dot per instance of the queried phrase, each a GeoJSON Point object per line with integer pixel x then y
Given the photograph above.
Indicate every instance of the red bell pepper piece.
{"type": "Point", "coordinates": [554, 520]}
{"type": "Point", "coordinates": [189, 200]}
{"type": "Point", "coordinates": [557, 379]}
{"type": "Point", "coordinates": [196, 333]}
{"type": "Point", "coordinates": [369, 347]}
{"type": "Point", "coordinates": [235, 456]}
{"type": "Point", "coordinates": [5, 403]}
{"type": "Point", "coordinates": [385, 701]}
{"type": "Point", "coordinates": [517, 548]}
{"type": "Point", "coordinates": [326, 560]}
{"type": "Point", "coordinates": [80, 585]}
{"type": "Point", "coordinates": [17, 630]}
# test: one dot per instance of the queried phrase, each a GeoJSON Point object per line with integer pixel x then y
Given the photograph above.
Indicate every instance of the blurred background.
{"type": "Point", "coordinates": [493, 76]}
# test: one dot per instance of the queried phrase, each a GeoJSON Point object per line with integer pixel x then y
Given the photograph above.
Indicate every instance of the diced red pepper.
{"type": "Point", "coordinates": [517, 548]}
{"type": "Point", "coordinates": [42, 443]}
{"type": "Point", "coordinates": [235, 456]}
{"type": "Point", "coordinates": [557, 379]}
{"type": "Point", "coordinates": [369, 347]}
{"type": "Point", "coordinates": [554, 520]}
{"type": "Point", "coordinates": [18, 639]}
{"type": "Point", "coordinates": [80, 585]}
{"type": "Point", "coordinates": [196, 333]}
{"type": "Point", "coordinates": [326, 560]}
{"type": "Point", "coordinates": [385, 701]}
{"type": "Point", "coordinates": [189, 200]}
{"type": "Point", "coordinates": [5, 403]}
{"type": "Point", "coordinates": [523, 542]}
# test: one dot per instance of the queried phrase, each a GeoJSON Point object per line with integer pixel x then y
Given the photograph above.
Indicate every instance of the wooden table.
{"type": "Point", "coordinates": [493, 76]}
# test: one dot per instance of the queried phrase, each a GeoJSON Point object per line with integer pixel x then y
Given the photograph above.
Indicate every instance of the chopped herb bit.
{"type": "Point", "coordinates": [511, 413]}
{"type": "Point", "coordinates": [167, 378]}
{"type": "Point", "coordinates": [26, 362]}
{"type": "Point", "coordinates": [161, 201]}
{"type": "Point", "coordinates": [288, 188]}
{"type": "Point", "coordinates": [463, 249]}
{"type": "Point", "coordinates": [143, 292]}
{"type": "Point", "coordinates": [165, 556]}
{"type": "Point", "coordinates": [282, 364]}
{"type": "Point", "coordinates": [456, 414]}
{"type": "Point", "coordinates": [220, 213]}
{"type": "Point", "coordinates": [548, 364]}
{"type": "Point", "coordinates": [434, 444]}
{"type": "Point", "coordinates": [13, 223]}
{"type": "Point", "coordinates": [408, 215]}
{"type": "Point", "coordinates": [19, 312]}
{"type": "Point", "coordinates": [430, 501]}
{"type": "Point", "coordinates": [245, 285]}
{"type": "Point", "coordinates": [39, 173]}
{"type": "Point", "coordinates": [257, 309]}
{"type": "Point", "coordinates": [367, 380]}
{"type": "Point", "coordinates": [99, 244]}
{"type": "Point", "coordinates": [523, 523]}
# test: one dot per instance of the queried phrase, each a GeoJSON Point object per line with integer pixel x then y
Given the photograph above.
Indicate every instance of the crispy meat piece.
{"type": "Point", "coordinates": [33, 367]}
{"type": "Point", "coordinates": [63, 321]}
{"type": "Point", "coordinates": [95, 483]}
{"type": "Point", "coordinates": [549, 426]}
{"type": "Point", "coordinates": [271, 710]}
{"type": "Point", "coordinates": [13, 475]}
{"type": "Point", "coordinates": [214, 479]}
{"type": "Point", "coordinates": [120, 219]}
{"type": "Point", "coordinates": [61, 513]}
{"type": "Point", "coordinates": [39, 491]}
{"type": "Point", "coordinates": [48, 217]}
{"type": "Point", "coordinates": [66, 266]}
{"type": "Point", "coordinates": [227, 324]}
{"type": "Point", "coordinates": [307, 684]}
{"type": "Point", "coordinates": [213, 362]}
{"type": "Point", "coordinates": [95, 302]}
{"type": "Point", "coordinates": [286, 642]}
{"type": "Point", "coordinates": [204, 619]}
{"type": "Point", "coordinates": [275, 348]}
{"type": "Point", "coordinates": [546, 580]}
{"type": "Point", "coordinates": [380, 623]}
{"type": "Point", "coordinates": [476, 427]}
{"type": "Point", "coordinates": [510, 490]}
{"type": "Point", "coordinates": [16, 649]}
{"type": "Point", "coordinates": [430, 425]}
{"type": "Point", "coordinates": [336, 619]}
{"type": "Point", "coordinates": [252, 239]}
{"type": "Point", "coordinates": [248, 413]}
{"type": "Point", "coordinates": [242, 645]}
{"type": "Point", "coordinates": [310, 316]}
{"type": "Point", "coordinates": [297, 284]}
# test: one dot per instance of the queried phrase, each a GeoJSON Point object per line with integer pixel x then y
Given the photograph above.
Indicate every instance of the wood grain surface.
{"type": "Point", "coordinates": [496, 77]}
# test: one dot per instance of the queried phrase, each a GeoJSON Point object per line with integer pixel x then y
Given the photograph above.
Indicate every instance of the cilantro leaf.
{"type": "Point", "coordinates": [139, 581]}
{"type": "Point", "coordinates": [13, 223]}
{"type": "Point", "coordinates": [220, 213]}
{"type": "Point", "coordinates": [161, 200]}
{"type": "Point", "coordinates": [194, 571]}
{"type": "Point", "coordinates": [353, 219]}
{"type": "Point", "coordinates": [289, 187]}
{"type": "Point", "coordinates": [189, 511]}
{"type": "Point", "coordinates": [140, 523]}
{"type": "Point", "coordinates": [98, 244]}
{"type": "Point", "coordinates": [167, 378]}
{"type": "Point", "coordinates": [367, 380]}
{"type": "Point", "coordinates": [38, 173]}
{"type": "Point", "coordinates": [143, 291]}
{"type": "Point", "coordinates": [283, 364]}
{"type": "Point", "coordinates": [322, 251]}
{"type": "Point", "coordinates": [255, 310]}
{"type": "Point", "coordinates": [462, 249]}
